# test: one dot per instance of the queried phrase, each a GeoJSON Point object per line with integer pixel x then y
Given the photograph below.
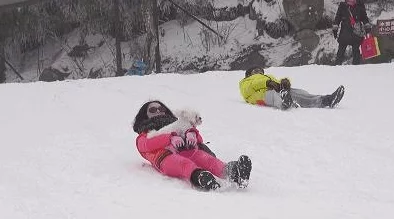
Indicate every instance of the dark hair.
{"type": "Point", "coordinates": [142, 115]}
{"type": "Point", "coordinates": [250, 70]}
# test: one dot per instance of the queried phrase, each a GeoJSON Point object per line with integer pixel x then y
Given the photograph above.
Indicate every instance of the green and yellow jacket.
{"type": "Point", "coordinates": [253, 88]}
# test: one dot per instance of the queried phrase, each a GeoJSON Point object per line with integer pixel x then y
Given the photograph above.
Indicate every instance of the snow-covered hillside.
{"type": "Point", "coordinates": [68, 150]}
{"type": "Point", "coordinates": [192, 48]}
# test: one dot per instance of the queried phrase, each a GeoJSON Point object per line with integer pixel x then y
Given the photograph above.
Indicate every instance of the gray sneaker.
{"type": "Point", "coordinates": [337, 96]}
{"type": "Point", "coordinates": [287, 100]}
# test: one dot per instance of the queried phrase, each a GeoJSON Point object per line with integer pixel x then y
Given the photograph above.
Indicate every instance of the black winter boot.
{"type": "Point", "coordinates": [239, 171]}
{"type": "Point", "coordinates": [337, 96]}
{"type": "Point", "coordinates": [204, 180]}
{"type": "Point", "coordinates": [333, 99]}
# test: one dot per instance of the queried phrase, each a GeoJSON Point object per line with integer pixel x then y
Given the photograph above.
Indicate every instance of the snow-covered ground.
{"type": "Point", "coordinates": [68, 150]}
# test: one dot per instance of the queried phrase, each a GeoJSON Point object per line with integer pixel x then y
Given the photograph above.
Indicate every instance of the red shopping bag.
{"type": "Point", "coordinates": [370, 47]}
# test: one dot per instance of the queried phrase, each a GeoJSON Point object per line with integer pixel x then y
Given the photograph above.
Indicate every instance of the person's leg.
{"type": "Point", "coordinates": [175, 165]}
{"type": "Point", "coordinates": [205, 161]}
{"type": "Point", "coordinates": [305, 99]}
{"type": "Point", "coordinates": [273, 99]}
{"type": "Point", "coordinates": [282, 100]}
{"type": "Point", "coordinates": [356, 54]}
{"type": "Point", "coordinates": [340, 54]}
{"type": "Point", "coordinates": [235, 171]}
{"type": "Point", "coordinates": [205, 148]}
{"type": "Point", "coordinates": [178, 166]}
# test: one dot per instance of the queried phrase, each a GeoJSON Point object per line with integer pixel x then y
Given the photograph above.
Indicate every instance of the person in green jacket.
{"type": "Point", "coordinates": [263, 89]}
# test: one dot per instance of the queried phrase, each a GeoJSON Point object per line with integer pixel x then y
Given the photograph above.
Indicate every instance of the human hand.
{"type": "Point", "coordinates": [273, 85]}
{"type": "Point", "coordinates": [191, 139]}
{"type": "Point", "coordinates": [285, 84]}
{"type": "Point", "coordinates": [177, 142]}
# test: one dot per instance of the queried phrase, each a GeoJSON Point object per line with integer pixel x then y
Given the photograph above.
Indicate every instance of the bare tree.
{"type": "Point", "coordinates": [147, 8]}
{"type": "Point", "coordinates": [2, 62]}
{"type": "Point", "coordinates": [156, 24]}
{"type": "Point", "coordinates": [117, 29]}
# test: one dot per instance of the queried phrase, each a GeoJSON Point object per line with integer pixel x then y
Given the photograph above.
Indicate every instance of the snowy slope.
{"type": "Point", "coordinates": [68, 150]}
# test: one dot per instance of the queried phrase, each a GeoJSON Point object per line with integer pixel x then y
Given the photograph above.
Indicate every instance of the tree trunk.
{"type": "Point", "coordinates": [147, 7]}
{"type": "Point", "coordinates": [117, 26]}
{"type": "Point", "coordinates": [2, 63]}
{"type": "Point", "coordinates": [156, 24]}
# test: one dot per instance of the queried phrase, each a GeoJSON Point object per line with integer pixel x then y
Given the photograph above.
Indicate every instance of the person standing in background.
{"type": "Point", "coordinates": [353, 21]}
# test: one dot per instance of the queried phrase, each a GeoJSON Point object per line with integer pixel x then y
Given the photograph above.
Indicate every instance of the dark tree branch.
{"type": "Point", "coordinates": [195, 18]}
{"type": "Point", "coordinates": [12, 67]}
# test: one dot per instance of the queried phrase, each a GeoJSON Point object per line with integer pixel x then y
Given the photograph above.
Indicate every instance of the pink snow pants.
{"type": "Point", "coordinates": [182, 165]}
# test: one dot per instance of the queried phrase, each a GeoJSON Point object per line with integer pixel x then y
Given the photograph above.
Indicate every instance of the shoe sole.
{"type": "Point", "coordinates": [338, 97]}
{"type": "Point", "coordinates": [208, 181]}
{"type": "Point", "coordinates": [244, 169]}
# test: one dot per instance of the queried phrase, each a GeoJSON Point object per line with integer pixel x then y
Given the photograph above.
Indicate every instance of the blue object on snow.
{"type": "Point", "coordinates": [138, 68]}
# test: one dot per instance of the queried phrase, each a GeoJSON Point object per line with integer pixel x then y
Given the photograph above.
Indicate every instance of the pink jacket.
{"type": "Point", "coordinates": [155, 149]}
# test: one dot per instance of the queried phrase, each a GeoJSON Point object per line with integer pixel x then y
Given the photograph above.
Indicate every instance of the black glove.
{"type": "Point", "coordinates": [285, 84]}
{"type": "Point", "coordinates": [335, 33]}
{"type": "Point", "coordinates": [272, 85]}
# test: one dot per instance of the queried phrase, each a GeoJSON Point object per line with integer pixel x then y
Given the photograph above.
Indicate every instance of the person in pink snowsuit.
{"type": "Point", "coordinates": [183, 157]}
